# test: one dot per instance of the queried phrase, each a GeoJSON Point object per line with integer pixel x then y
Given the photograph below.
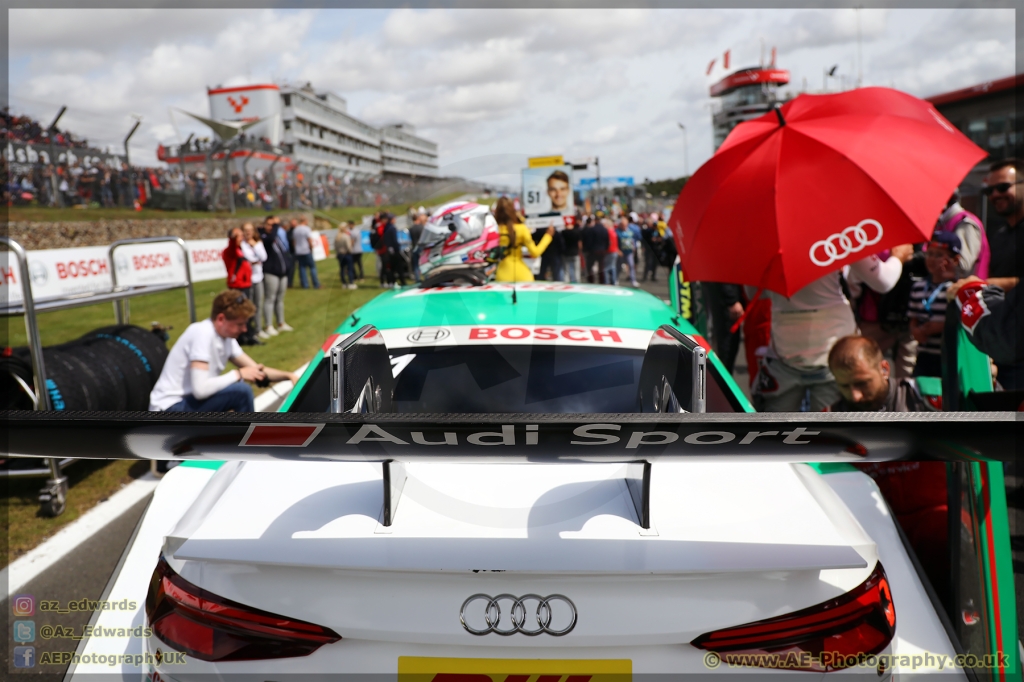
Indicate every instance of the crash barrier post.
{"type": "Point", "coordinates": [54, 493]}
{"type": "Point", "coordinates": [122, 310]}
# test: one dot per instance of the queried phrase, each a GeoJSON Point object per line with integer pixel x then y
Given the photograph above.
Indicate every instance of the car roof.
{"type": "Point", "coordinates": [537, 303]}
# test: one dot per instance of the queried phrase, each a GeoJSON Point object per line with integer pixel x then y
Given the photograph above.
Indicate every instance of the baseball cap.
{"type": "Point", "coordinates": [950, 240]}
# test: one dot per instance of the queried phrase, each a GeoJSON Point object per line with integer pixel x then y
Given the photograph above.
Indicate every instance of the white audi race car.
{"type": "Point", "coordinates": [567, 488]}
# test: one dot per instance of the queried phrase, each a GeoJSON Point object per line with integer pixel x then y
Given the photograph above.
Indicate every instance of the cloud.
{"type": "Point", "coordinates": [817, 28]}
{"type": "Point", "coordinates": [929, 62]}
{"type": "Point", "coordinates": [65, 29]}
{"type": "Point", "coordinates": [448, 107]}
{"type": "Point", "coordinates": [167, 72]}
{"type": "Point", "coordinates": [486, 84]}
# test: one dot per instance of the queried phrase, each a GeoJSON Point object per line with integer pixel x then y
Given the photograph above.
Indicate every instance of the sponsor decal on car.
{"type": "Point", "coordinates": [524, 286]}
{"type": "Point", "coordinates": [424, 669]}
{"type": "Point", "coordinates": [509, 335]}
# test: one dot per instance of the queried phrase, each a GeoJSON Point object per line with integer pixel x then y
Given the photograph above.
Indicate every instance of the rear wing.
{"type": "Point", "coordinates": [543, 438]}
{"type": "Point", "coordinates": [637, 440]}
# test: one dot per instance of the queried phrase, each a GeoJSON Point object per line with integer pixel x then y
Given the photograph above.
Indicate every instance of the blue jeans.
{"type": "Point", "coordinates": [611, 268]}
{"type": "Point", "coordinates": [305, 261]}
{"type": "Point", "coordinates": [630, 260]}
{"type": "Point", "coordinates": [345, 268]}
{"type": "Point", "coordinates": [571, 268]}
{"type": "Point", "coordinates": [237, 397]}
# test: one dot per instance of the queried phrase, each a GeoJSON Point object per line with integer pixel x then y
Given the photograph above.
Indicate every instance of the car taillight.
{"type": "Point", "coordinates": [212, 628]}
{"type": "Point", "coordinates": [833, 635]}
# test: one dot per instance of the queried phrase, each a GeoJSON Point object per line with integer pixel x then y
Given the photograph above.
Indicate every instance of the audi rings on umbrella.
{"type": "Point", "coordinates": [841, 244]}
{"type": "Point", "coordinates": [518, 610]}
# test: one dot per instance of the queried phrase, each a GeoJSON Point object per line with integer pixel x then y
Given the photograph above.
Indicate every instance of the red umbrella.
{"type": "Point", "coordinates": [817, 184]}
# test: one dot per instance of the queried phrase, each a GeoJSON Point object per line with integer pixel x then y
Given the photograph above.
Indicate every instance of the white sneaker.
{"type": "Point", "coordinates": [270, 331]}
{"type": "Point", "coordinates": [263, 335]}
{"type": "Point", "coordinates": [353, 286]}
{"type": "Point", "coordinates": [285, 328]}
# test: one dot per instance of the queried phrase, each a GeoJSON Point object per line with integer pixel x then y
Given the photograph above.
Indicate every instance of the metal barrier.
{"type": "Point", "coordinates": [53, 496]}
{"type": "Point", "coordinates": [122, 309]}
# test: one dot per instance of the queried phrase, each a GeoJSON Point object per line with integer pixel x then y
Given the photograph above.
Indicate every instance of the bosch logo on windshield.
{"type": "Point", "coordinates": [841, 244]}
{"type": "Point", "coordinates": [544, 334]}
{"type": "Point", "coordinates": [428, 335]}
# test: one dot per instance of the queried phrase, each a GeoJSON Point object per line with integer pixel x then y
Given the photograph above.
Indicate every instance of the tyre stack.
{"type": "Point", "coordinates": [112, 368]}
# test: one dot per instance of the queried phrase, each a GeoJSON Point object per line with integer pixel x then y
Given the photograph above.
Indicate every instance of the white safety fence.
{"type": "Point", "coordinates": [58, 273]}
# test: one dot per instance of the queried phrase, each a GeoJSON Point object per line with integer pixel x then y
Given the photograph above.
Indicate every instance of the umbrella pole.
{"type": "Point", "coordinates": [736, 325]}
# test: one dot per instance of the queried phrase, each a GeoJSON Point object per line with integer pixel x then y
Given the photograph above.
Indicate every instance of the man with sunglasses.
{"type": "Point", "coordinates": [1002, 187]}
{"type": "Point", "coordinates": [1005, 195]}
{"type": "Point", "coordinates": [191, 379]}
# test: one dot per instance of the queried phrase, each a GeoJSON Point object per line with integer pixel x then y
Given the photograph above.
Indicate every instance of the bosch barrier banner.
{"type": "Point", "coordinates": [150, 263]}
{"type": "Point", "coordinates": [56, 272]}
{"type": "Point", "coordinates": [205, 257]}
{"type": "Point", "coordinates": [63, 272]}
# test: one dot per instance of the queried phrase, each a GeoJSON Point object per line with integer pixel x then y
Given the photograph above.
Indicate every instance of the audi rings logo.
{"type": "Point", "coordinates": [530, 615]}
{"type": "Point", "coordinates": [428, 335]}
{"type": "Point", "coordinates": [851, 240]}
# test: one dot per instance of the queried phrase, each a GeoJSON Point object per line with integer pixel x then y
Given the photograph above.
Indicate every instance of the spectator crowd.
{"type": "Point", "coordinates": [203, 183]}
{"type": "Point", "coordinates": [28, 130]}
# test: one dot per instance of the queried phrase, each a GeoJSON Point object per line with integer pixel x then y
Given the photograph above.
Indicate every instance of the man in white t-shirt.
{"type": "Point", "coordinates": [191, 380]}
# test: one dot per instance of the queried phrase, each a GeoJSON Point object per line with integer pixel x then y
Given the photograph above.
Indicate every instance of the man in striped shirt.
{"type": "Point", "coordinates": [927, 307]}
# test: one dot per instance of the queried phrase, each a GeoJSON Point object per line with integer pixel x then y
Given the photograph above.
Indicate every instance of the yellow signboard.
{"type": "Point", "coordinates": [422, 669]}
{"type": "Point", "coordinates": [542, 161]}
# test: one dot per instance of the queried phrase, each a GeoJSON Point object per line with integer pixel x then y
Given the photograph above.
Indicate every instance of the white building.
{"type": "Point", "coordinates": [404, 153]}
{"type": "Point", "coordinates": [315, 130]}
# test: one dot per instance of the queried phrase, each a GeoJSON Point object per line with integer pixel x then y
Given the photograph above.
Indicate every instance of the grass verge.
{"type": "Point", "coordinates": [90, 482]}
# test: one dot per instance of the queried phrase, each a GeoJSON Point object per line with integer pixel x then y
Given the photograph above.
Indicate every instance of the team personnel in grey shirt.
{"type": "Point", "coordinates": [302, 243]}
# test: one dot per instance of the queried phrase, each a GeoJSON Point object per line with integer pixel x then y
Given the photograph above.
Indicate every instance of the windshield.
{"type": "Point", "coordinates": [516, 378]}
{"type": "Point", "coordinates": [501, 378]}
{"type": "Point", "coordinates": [513, 378]}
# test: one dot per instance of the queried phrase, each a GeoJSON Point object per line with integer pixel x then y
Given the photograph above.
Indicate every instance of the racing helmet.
{"type": "Point", "coordinates": [459, 233]}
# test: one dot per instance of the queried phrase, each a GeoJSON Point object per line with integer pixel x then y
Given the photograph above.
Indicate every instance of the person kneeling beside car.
{"type": "Point", "coordinates": [862, 377]}
{"type": "Point", "coordinates": [191, 380]}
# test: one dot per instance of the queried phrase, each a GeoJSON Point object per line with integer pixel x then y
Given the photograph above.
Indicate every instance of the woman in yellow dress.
{"type": "Point", "coordinates": [515, 236]}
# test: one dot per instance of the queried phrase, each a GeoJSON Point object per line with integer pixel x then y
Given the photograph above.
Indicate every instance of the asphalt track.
{"type": "Point", "coordinates": [81, 574]}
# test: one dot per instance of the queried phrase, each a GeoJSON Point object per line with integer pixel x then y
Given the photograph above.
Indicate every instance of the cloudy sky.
{"type": "Point", "coordinates": [491, 86]}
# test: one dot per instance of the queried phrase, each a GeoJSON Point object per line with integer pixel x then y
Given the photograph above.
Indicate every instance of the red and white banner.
{"type": "Point", "coordinates": [149, 263]}
{"type": "Point", "coordinates": [205, 257]}
{"type": "Point", "coordinates": [56, 273]}
{"type": "Point", "coordinates": [319, 246]}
